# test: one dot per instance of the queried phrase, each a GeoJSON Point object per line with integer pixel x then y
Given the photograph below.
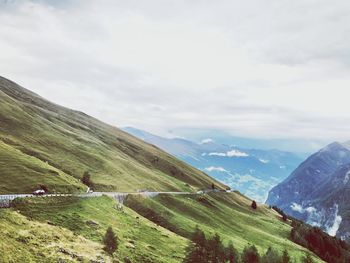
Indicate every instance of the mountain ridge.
{"type": "Point", "coordinates": [316, 191]}
{"type": "Point", "coordinates": [251, 171]}
{"type": "Point", "coordinates": [67, 143]}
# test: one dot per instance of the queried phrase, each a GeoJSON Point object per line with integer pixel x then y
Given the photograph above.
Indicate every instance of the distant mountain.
{"type": "Point", "coordinates": [318, 191]}
{"type": "Point", "coordinates": [42, 143]}
{"type": "Point", "coordinates": [251, 171]}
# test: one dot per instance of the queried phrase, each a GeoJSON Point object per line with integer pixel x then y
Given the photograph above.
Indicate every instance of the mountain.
{"type": "Point", "coordinates": [317, 191]}
{"type": "Point", "coordinates": [251, 171]}
{"type": "Point", "coordinates": [42, 143]}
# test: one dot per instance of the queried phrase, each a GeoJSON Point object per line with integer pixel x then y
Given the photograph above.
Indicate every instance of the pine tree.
{"type": "Point", "coordinates": [285, 257]}
{"type": "Point", "coordinates": [198, 252]}
{"type": "Point", "coordinates": [231, 254]}
{"type": "Point", "coordinates": [250, 255]}
{"type": "Point", "coordinates": [216, 253]}
{"type": "Point", "coordinates": [110, 241]}
{"type": "Point", "coordinates": [271, 256]}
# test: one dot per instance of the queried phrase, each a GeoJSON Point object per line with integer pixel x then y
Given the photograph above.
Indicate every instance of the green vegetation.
{"type": "Point", "coordinates": [331, 249]}
{"type": "Point", "coordinates": [210, 250]}
{"type": "Point", "coordinates": [45, 146]}
{"type": "Point", "coordinates": [139, 240]}
{"type": "Point", "coordinates": [87, 179]}
{"type": "Point", "coordinates": [43, 143]}
{"type": "Point", "coordinates": [111, 241]}
{"type": "Point", "coordinates": [230, 215]}
{"type": "Point", "coordinates": [23, 240]}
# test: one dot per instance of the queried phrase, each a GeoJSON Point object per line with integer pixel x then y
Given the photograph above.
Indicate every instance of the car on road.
{"type": "Point", "coordinates": [39, 192]}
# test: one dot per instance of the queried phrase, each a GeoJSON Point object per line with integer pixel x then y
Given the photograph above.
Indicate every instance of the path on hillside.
{"type": "Point", "coordinates": [119, 196]}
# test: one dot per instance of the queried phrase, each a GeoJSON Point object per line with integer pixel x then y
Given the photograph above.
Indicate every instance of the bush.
{"type": "Point", "coordinates": [87, 179]}
{"type": "Point", "coordinates": [254, 205]}
{"type": "Point", "coordinates": [110, 241]}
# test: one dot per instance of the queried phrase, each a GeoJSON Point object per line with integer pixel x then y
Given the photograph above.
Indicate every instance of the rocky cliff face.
{"type": "Point", "coordinates": [317, 192]}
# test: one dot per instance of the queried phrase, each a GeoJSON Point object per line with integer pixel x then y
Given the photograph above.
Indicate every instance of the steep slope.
{"type": "Point", "coordinates": [251, 171]}
{"type": "Point", "coordinates": [24, 240]}
{"type": "Point", "coordinates": [317, 191]}
{"type": "Point", "coordinates": [44, 143]}
{"type": "Point", "coordinates": [229, 215]}
{"type": "Point", "coordinates": [78, 225]}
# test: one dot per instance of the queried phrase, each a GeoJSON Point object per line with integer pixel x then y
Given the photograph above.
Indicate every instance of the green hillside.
{"type": "Point", "coordinates": [229, 215]}
{"type": "Point", "coordinates": [43, 143]}
{"type": "Point", "coordinates": [78, 224]}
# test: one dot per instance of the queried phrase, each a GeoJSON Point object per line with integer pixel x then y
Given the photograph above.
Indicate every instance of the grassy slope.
{"type": "Point", "coordinates": [22, 240]}
{"type": "Point", "coordinates": [229, 215]}
{"type": "Point", "coordinates": [71, 143]}
{"type": "Point", "coordinates": [90, 218]}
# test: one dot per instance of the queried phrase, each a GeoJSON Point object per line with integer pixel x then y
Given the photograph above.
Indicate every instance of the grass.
{"type": "Point", "coordinates": [23, 240]}
{"type": "Point", "coordinates": [41, 136]}
{"type": "Point", "coordinates": [27, 172]}
{"type": "Point", "coordinates": [228, 214]}
{"type": "Point", "coordinates": [140, 239]}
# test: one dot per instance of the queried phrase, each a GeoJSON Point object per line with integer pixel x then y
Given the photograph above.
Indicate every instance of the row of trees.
{"type": "Point", "coordinates": [330, 249]}
{"type": "Point", "coordinates": [212, 250]}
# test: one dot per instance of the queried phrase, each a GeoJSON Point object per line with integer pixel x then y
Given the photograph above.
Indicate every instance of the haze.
{"type": "Point", "coordinates": [259, 69]}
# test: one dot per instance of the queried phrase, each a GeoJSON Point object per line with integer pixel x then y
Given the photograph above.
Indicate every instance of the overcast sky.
{"type": "Point", "coordinates": [263, 69]}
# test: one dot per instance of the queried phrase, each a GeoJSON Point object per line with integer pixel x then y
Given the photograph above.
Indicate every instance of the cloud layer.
{"type": "Point", "coordinates": [256, 68]}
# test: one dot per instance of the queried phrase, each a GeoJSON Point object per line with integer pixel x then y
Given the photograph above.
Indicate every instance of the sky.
{"type": "Point", "coordinates": [273, 69]}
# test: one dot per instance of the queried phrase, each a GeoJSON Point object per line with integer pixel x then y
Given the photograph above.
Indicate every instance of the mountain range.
{"type": "Point", "coordinates": [251, 171]}
{"type": "Point", "coordinates": [317, 192]}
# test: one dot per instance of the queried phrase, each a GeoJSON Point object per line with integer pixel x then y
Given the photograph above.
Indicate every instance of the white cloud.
{"type": "Point", "coordinates": [264, 161]}
{"type": "Point", "coordinates": [262, 69]}
{"type": "Point", "coordinates": [236, 153]}
{"type": "Point", "coordinates": [232, 153]}
{"type": "Point", "coordinates": [217, 154]}
{"type": "Point", "coordinates": [216, 169]}
{"type": "Point", "coordinates": [298, 208]}
{"type": "Point", "coordinates": [207, 140]}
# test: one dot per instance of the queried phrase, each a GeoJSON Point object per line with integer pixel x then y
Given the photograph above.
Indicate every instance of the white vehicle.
{"type": "Point", "coordinates": [39, 192]}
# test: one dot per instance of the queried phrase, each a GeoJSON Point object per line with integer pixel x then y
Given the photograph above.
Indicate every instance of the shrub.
{"type": "Point", "coordinates": [254, 205]}
{"type": "Point", "coordinates": [110, 241]}
{"type": "Point", "coordinates": [87, 179]}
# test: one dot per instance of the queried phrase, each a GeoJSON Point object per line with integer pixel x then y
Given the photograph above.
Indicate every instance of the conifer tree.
{"type": "Point", "coordinates": [250, 255]}
{"type": "Point", "coordinates": [110, 241]}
